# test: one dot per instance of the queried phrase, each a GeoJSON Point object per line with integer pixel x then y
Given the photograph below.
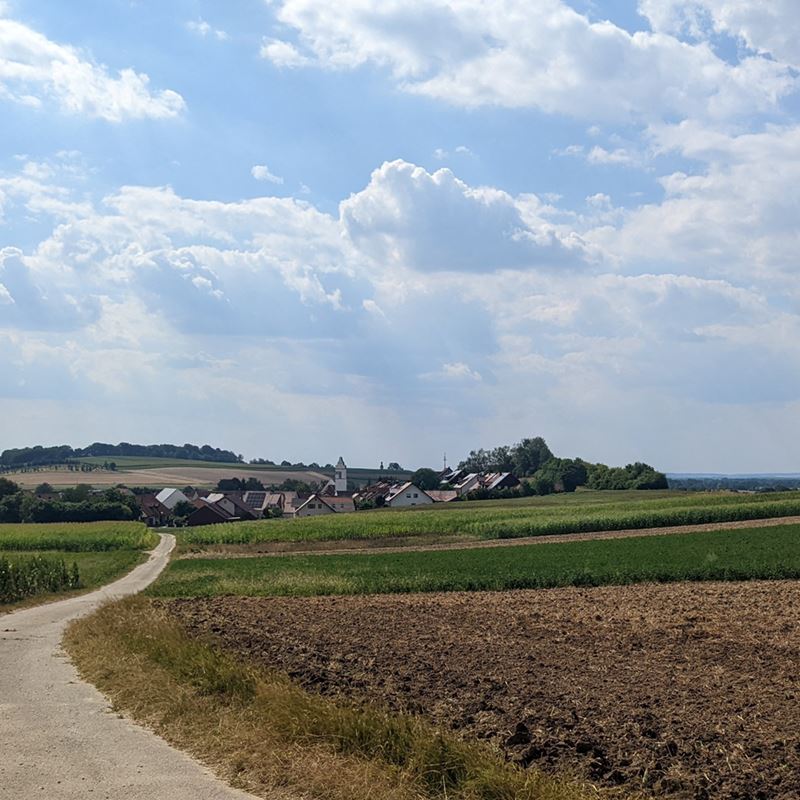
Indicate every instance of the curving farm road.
{"type": "Point", "coordinates": [58, 739]}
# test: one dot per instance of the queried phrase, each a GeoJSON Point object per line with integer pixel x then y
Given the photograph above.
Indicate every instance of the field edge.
{"type": "Point", "coordinates": [264, 734]}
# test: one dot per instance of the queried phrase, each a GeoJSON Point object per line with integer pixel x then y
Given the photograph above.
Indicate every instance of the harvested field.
{"type": "Point", "coordinates": [687, 690]}
{"type": "Point", "coordinates": [163, 476]}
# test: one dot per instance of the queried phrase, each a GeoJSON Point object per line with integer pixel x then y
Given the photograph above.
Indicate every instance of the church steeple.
{"type": "Point", "coordinates": [340, 481]}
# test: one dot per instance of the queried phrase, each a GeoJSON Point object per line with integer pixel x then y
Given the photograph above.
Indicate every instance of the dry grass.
{"type": "Point", "coordinates": [268, 736]}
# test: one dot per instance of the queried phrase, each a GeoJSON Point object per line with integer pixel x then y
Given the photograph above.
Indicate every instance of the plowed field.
{"type": "Point", "coordinates": [688, 690]}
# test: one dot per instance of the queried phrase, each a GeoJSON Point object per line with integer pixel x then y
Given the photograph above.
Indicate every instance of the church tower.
{"type": "Point", "coordinates": [341, 476]}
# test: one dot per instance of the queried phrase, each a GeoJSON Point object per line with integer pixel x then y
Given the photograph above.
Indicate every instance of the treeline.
{"type": "Point", "coordinates": [540, 472]}
{"type": "Point", "coordinates": [64, 454]}
{"type": "Point", "coordinates": [255, 485]}
{"type": "Point", "coordinates": [79, 504]}
{"type": "Point", "coordinates": [764, 483]}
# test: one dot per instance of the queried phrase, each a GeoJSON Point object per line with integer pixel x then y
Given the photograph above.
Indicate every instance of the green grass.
{"type": "Point", "coordinates": [77, 536]}
{"type": "Point", "coordinates": [95, 569]}
{"type": "Point", "coordinates": [743, 554]}
{"type": "Point", "coordinates": [508, 519]}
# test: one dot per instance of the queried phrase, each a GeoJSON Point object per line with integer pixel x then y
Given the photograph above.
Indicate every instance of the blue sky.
{"type": "Point", "coordinates": [387, 229]}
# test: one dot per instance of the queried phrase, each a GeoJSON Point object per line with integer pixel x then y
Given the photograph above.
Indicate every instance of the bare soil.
{"type": "Point", "coordinates": [686, 690]}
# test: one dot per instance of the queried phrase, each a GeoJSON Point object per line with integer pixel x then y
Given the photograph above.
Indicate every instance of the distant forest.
{"type": "Point", "coordinates": [63, 454]}
{"type": "Point", "coordinates": [746, 483]}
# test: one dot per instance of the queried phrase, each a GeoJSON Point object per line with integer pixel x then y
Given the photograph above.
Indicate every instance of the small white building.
{"type": "Point", "coordinates": [407, 495]}
{"type": "Point", "coordinates": [171, 497]}
{"type": "Point", "coordinates": [314, 506]}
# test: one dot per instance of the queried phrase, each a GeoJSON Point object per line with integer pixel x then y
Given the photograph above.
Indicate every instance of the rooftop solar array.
{"type": "Point", "coordinates": [255, 499]}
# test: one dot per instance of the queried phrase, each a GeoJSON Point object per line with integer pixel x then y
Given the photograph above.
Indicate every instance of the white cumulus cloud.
{"type": "Point", "coordinates": [34, 69]}
{"type": "Point", "coordinates": [551, 57]}
{"type": "Point", "coordinates": [408, 217]}
{"type": "Point", "coordinates": [205, 29]}
{"type": "Point", "coordinates": [261, 172]}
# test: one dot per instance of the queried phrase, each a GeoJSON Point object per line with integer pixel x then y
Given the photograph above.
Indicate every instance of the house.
{"type": "Point", "coordinates": [207, 514]}
{"type": "Point", "coordinates": [152, 512]}
{"type": "Point", "coordinates": [314, 506]}
{"type": "Point", "coordinates": [260, 503]}
{"type": "Point", "coordinates": [442, 495]}
{"type": "Point", "coordinates": [340, 504]}
{"type": "Point", "coordinates": [171, 497]}
{"type": "Point", "coordinates": [407, 494]}
{"type": "Point", "coordinates": [464, 484]}
{"type": "Point", "coordinates": [498, 480]}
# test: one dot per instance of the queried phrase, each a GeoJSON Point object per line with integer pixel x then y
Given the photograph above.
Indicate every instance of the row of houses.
{"type": "Point", "coordinates": [210, 508]}
{"type": "Point", "coordinates": [334, 498]}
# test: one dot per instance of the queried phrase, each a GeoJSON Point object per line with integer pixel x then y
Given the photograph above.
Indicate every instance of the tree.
{"type": "Point", "coordinates": [565, 474]}
{"type": "Point", "coordinates": [43, 488]}
{"type": "Point", "coordinates": [77, 494]}
{"type": "Point", "coordinates": [425, 478]}
{"type": "Point", "coordinates": [182, 510]}
{"type": "Point", "coordinates": [393, 465]}
{"type": "Point", "coordinates": [529, 455]}
{"type": "Point", "coordinates": [8, 487]}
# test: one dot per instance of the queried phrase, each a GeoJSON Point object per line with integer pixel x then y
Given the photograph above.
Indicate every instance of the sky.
{"type": "Point", "coordinates": [390, 229]}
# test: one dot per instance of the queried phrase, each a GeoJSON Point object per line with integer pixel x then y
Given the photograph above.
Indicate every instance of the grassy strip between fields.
{"type": "Point", "coordinates": [503, 520]}
{"type": "Point", "coordinates": [77, 536]}
{"type": "Point", "coordinates": [268, 736]}
{"type": "Point", "coordinates": [742, 554]}
{"type": "Point", "coordinates": [94, 570]}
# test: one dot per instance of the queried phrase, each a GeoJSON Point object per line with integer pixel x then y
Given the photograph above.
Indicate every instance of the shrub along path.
{"type": "Point", "coordinates": [57, 738]}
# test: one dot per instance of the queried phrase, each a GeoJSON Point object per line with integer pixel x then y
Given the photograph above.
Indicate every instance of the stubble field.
{"type": "Point", "coordinates": [686, 690]}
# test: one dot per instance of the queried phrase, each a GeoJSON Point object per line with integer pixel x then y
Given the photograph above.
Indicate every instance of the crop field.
{"type": "Point", "coordinates": [742, 554]}
{"type": "Point", "coordinates": [101, 551]}
{"type": "Point", "coordinates": [94, 568]}
{"type": "Point", "coordinates": [500, 519]}
{"type": "Point", "coordinates": [77, 536]}
{"type": "Point", "coordinates": [683, 690]}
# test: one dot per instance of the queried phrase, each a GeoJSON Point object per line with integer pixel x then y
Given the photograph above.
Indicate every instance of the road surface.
{"type": "Point", "coordinates": [58, 738]}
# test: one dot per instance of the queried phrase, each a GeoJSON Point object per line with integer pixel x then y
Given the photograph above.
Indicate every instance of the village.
{"type": "Point", "coordinates": [193, 507]}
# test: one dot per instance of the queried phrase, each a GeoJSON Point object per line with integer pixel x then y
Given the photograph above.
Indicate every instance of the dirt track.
{"type": "Point", "coordinates": [687, 690]}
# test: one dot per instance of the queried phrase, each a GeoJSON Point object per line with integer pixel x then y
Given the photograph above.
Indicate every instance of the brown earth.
{"type": "Point", "coordinates": [686, 690]}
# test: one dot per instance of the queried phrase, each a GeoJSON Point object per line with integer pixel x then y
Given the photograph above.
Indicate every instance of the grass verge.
{"type": "Point", "coordinates": [95, 570]}
{"type": "Point", "coordinates": [741, 554]}
{"type": "Point", "coordinates": [265, 735]}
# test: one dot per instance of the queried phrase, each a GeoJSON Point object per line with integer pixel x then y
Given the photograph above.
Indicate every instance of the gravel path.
{"type": "Point", "coordinates": [57, 738]}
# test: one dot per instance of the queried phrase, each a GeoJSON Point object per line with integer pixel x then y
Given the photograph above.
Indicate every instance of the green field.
{"type": "Point", "coordinates": [584, 511]}
{"type": "Point", "coordinates": [102, 551]}
{"type": "Point", "coordinates": [95, 569]}
{"type": "Point", "coordinates": [743, 554]}
{"type": "Point", "coordinates": [77, 536]}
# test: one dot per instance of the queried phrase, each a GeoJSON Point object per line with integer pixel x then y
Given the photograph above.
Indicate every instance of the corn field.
{"type": "Point", "coordinates": [33, 575]}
